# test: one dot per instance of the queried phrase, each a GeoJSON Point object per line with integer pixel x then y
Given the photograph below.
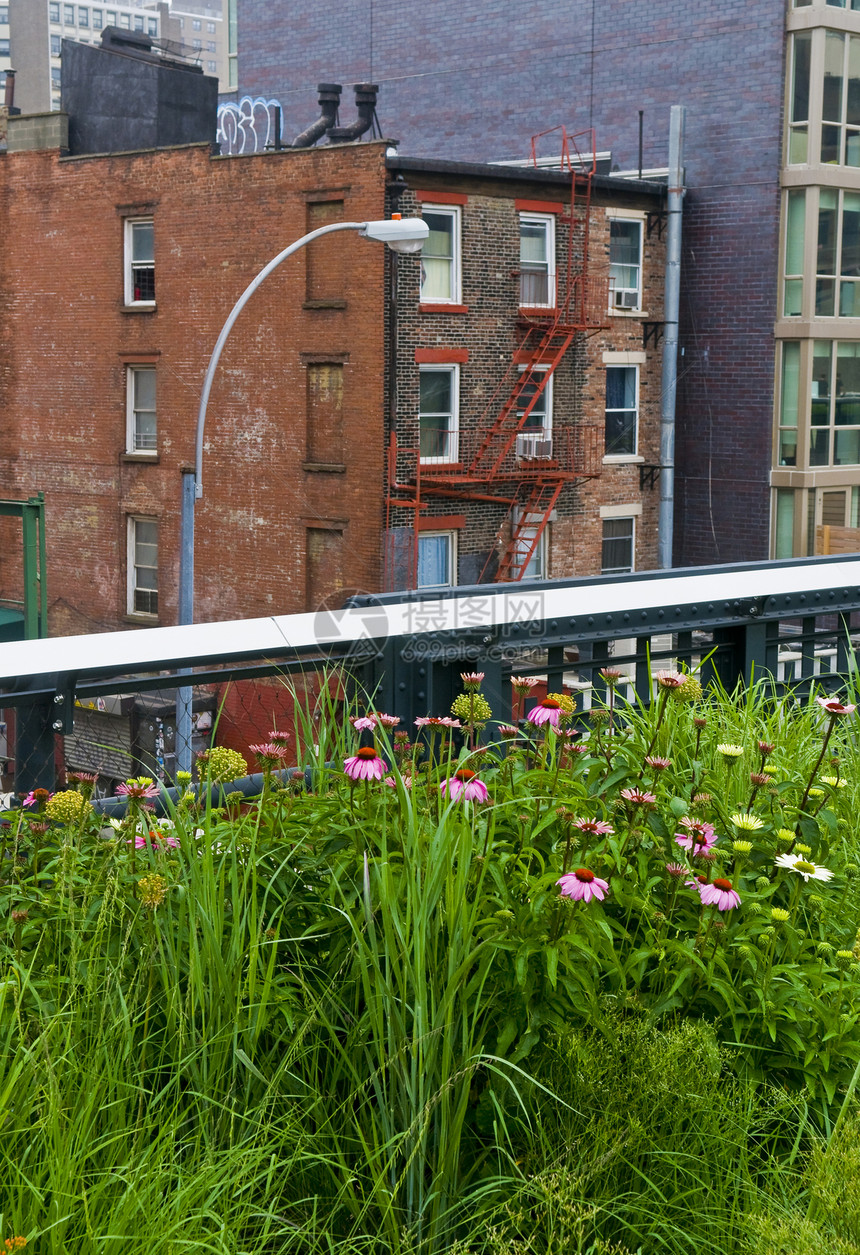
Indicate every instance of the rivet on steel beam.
{"type": "Point", "coordinates": [57, 725]}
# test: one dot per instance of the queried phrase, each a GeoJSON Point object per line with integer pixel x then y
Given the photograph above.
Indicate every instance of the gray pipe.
{"type": "Point", "coordinates": [329, 102]}
{"type": "Point", "coordinates": [666, 522]}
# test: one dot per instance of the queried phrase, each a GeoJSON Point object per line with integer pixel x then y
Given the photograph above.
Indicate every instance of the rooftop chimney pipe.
{"type": "Point", "coordinates": [365, 103]}
{"type": "Point", "coordinates": [329, 101]}
{"type": "Point", "coordinates": [9, 98]}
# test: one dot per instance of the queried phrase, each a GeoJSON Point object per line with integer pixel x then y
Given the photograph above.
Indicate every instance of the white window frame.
{"type": "Point", "coordinates": [452, 452]}
{"type": "Point", "coordinates": [547, 221]}
{"type": "Point", "coordinates": [133, 566]}
{"type": "Point", "coordinates": [622, 457]}
{"type": "Point", "coordinates": [617, 518]}
{"type": "Point", "coordinates": [131, 266]}
{"type": "Point", "coordinates": [132, 444]}
{"type": "Point", "coordinates": [54, 13]}
{"type": "Point", "coordinates": [453, 213]}
{"type": "Point", "coordinates": [530, 439]}
{"type": "Point", "coordinates": [626, 300]}
{"type": "Point", "coordinates": [451, 538]}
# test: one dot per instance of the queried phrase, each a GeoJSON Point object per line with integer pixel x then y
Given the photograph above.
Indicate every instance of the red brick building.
{"type": "Point", "coordinates": [117, 273]}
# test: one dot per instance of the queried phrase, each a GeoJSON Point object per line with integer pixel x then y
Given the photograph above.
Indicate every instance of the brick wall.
{"type": "Point", "coordinates": [66, 340]}
{"type": "Point", "coordinates": [483, 338]}
{"type": "Point", "coordinates": [478, 88]}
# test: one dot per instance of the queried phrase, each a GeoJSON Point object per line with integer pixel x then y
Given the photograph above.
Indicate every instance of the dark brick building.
{"type": "Point", "coordinates": [474, 83]}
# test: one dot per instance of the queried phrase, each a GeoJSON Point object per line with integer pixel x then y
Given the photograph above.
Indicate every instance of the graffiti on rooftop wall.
{"type": "Point", "coordinates": [247, 126]}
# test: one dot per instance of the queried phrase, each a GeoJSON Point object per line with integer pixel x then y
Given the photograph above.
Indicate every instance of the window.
{"type": "Point", "coordinates": [788, 403]}
{"type": "Point", "coordinates": [618, 546]}
{"type": "Point", "coordinates": [625, 263]}
{"type": "Point", "coordinates": [211, 67]}
{"type": "Point", "coordinates": [142, 566]}
{"type": "Point", "coordinates": [210, 27]}
{"type": "Point", "coordinates": [196, 45]}
{"type": "Point", "coordinates": [181, 21]}
{"type": "Point", "coordinates": [138, 22]}
{"type": "Point", "coordinates": [4, 14]}
{"type": "Point", "coordinates": [834, 4]}
{"type": "Point", "coordinates": [837, 286]}
{"type": "Point", "coordinates": [55, 75]}
{"type": "Point", "coordinates": [195, 24]}
{"type": "Point", "coordinates": [111, 17]}
{"type": "Point", "coordinates": [440, 256]}
{"type": "Point", "coordinates": [55, 45]}
{"type": "Point", "coordinates": [83, 17]}
{"type": "Point", "coordinates": [535, 436]}
{"type": "Point", "coordinates": [798, 133]}
{"type": "Point", "coordinates": [53, 12]}
{"type": "Point", "coordinates": [840, 103]}
{"type": "Point", "coordinates": [622, 410]}
{"type": "Point", "coordinates": [834, 437]}
{"type": "Point", "coordinates": [438, 413]}
{"type": "Point", "coordinates": [125, 21]}
{"type": "Point", "coordinates": [98, 19]}
{"type": "Point", "coordinates": [152, 27]}
{"type": "Point", "coordinates": [795, 235]}
{"type": "Point", "coordinates": [4, 47]}
{"type": "Point", "coordinates": [537, 260]}
{"type": "Point", "coordinates": [139, 262]}
{"type": "Point", "coordinates": [210, 45]}
{"type": "Point", "coordinates": [141, 418]}
{"type": "Point", "coordinates": [68, 15]}
{"type": "Point", "coordinates": [436, 560]}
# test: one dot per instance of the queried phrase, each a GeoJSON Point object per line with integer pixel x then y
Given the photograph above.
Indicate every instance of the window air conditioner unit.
{"type": "Point", "coordinates": [626, 298]}
{"type": "Point", "coordinates": [534, 446]}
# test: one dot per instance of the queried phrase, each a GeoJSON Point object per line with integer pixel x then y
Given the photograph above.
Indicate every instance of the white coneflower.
{"type": "Point", "coordinates": [745, 822]}
{"type": "Point", "coordinates": [809, 871]}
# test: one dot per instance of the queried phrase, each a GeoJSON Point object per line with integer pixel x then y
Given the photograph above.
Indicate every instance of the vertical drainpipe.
{"type": "Point", "coordinates": [670, 338]}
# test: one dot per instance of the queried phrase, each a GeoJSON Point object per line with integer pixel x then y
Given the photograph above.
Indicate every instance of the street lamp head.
{"type": "Point", "coordinates": [402, 235]}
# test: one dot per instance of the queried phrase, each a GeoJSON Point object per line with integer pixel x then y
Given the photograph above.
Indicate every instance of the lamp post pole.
{"type": "Point", "coordinates": [403, 235]}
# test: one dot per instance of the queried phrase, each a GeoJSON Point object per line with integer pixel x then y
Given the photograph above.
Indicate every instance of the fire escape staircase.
{"type": "Point", "coordinates": [528, 527]}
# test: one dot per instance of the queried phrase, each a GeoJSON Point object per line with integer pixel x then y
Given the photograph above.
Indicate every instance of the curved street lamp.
{"type": "Point", "coordinates": [402, 235]}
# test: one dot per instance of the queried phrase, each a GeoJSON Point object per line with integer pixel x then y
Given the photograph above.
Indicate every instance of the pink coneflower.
{"type": "Point", "coordinates": [578, 749]}
{"type": "Point", "coordinates": [155, 839]}
{"type": "Point", "coordinates": [36, 796]}
{"type": "Point", "coordinates": [676, 869]}
{"type": "Point", "coordinates": [547, 711]}
{"type": "Point", "coordinates": [392, 783]}
{"type": "Point", "coordinates": [141, 787]}
{"type": "Point", "coordinates": [523, 684]}
{"type": "Point", "coordinates": [582, 885]}
{"type": "Point", "coordinates": [638, 797]}
{"type": "Point", "coordinates": [658, 764]}
{"type": "Point", "coordinates": [432, 721]}
{"type": "Point", "coordinates": [363, 723]}
{"type": "Point", "coordinates": [719, 893]}
{"type": "Point", "coordinates": [472, 679]}
{"type": "Point", "coordinates": [365, 764]}
{"type": "Point", "coordinates": [387, 721]}
{"type": "Point", "coordinates": [464, 786]}
{"type": "Point", "coordinates": [507, 732]}
{"type": "Point", "coordinates": [765, 747]}
{"type": "Point", "coordinates": [278, 738]}
{"type": "Point", "coordinates": [670, 679]}
{"type": "Point", "coordinates": [270, 754]}
{"type": "Point", "coordinates": [698, 834]}
{"type": "Point", "coordinates": [593, 827]}
{"type": "Point", "coordinates": [611, 675]}
{"type": "Point", "coordinates": [833, 706]}
{"type": "Point", "coordinates": [82, 777]}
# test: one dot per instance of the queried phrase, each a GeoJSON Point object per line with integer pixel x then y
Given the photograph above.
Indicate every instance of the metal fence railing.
{"type": "Point", "coordinates": [106, 704]}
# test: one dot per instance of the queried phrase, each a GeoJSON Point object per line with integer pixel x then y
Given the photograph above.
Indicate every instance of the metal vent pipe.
{"type": "Point", "coordinates": [329, 102]}
{"type": "Point", "coordinates": [365, 103]}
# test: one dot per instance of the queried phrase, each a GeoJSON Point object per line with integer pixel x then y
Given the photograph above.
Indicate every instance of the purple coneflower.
{"type": "Point", "coordinates": [638, 797]}
{"type": "Point", "coordinates": [270, 754]}
{"type": "Point", "coordinates": [432, 721]}
{"type": "Point", "coordinates": [464, 786]}
{"type": "Point", "coordinates": [278, 738]}
{"type": "Point", "coordinates": [719, 893]}
{"type": "Point", "coordinates": [472, 679]}
{"type": "Point", "coordinates": [154, 838]}
{"type": "Point", "coordinates": [833, 706]}
{"type": "Point", "coordinates": [547, 711]}
{"type": "Point", "coordinates": [593, 827]}
{"type": "Point", "coordinates": [698, 834]}
{"type": "Point", "coordinates": [658, 764]}
{"type": "Point", "coordinates": [670, 679]}
{"type": "Point", "coordinates": [582, 885]}
{"type": "Point", "coordinates": [365, 764]}
{"type": "Point", "coordinates": [507, 732]}
{"type": "Point", "coordinates": [387, 721]}
{"type": "Point", "coordinates": [392, 783]}
{"type": "Point", "coordinates": [141, 787]}
{"type": "Point", "coordinates": [611, 675]}
{"type": "Point", "coordinates": [676, 869]}
{"type": "Point", "coordinates": [523, 684]}
{"type": "Point", "coordinates": [363, 723]}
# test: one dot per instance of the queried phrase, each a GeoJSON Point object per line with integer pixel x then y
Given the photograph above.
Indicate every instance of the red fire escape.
{"type": "Point", "coordinates": [501, 460]}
